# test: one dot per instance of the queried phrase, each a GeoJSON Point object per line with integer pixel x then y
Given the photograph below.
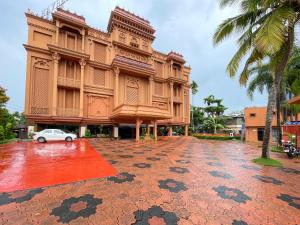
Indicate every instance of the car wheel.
{"type": "Point", "coordinates": [69, 139]}
{"type": "Point", "coordinates": [41, 140]}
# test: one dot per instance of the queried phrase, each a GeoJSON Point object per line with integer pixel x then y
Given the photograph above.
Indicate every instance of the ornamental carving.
{"type": "Point", "coordinates": [98, 35]}
{"type": "Point", "coordinates": [131, 55]}
{"type": "Point", "coordinates": [131, 82]}
{"type": "Point", "coordinates": [41, 63]}
{"type": "Point", "coordinates": [41, 27]}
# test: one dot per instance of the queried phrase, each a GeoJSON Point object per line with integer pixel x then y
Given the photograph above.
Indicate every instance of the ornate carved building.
{"type": "Point", "coordinates": [80, 76]}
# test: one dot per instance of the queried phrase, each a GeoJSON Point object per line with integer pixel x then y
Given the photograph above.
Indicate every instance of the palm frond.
{"type": "Point", "coordinates": [271, 34]}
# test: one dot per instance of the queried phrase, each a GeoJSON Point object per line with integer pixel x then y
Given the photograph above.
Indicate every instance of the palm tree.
{"type": "Point", "coordinates": [212, 123]}
{"type": "Point", "coordinates": [194, 88]}
{"type": "Point", "coordinates": [266, 29]}
{"type": "Point", "coordinates": [263, 81]}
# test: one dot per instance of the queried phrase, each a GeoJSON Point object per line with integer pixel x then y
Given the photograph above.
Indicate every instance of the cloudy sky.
{"type": "Point", "coordinates": [183, 26]}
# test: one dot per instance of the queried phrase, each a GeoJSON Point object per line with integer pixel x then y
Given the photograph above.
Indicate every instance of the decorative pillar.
{"type": "Point", "coordinates": [186, 130]}
{"type": "Point", "coordinates": [56, 58]}
{"type": "Point", "coordinates": [171, 131]}
{"type": "Point", "coordinates": [137, 130]}
{"type": "Point", "coordinates": [57, 32]}
{"type": "Point", "coordinates": [82, 130]}
{"type": "Point", "coordinates": [83, 40]}
{"type": "Point", "coordinates": [148, 129]}
{"type": "Point", "coordinates": [172, 97]}
{"type": "Point", "coordinates": [150, 90]}
{"type": "Point", "coordinates": [155, 130]}
{"type": "Point", "coordinates": [183, 102]}
{"type": "Point", "coordinates": [116, 89]}
{"type": "Point", "coordinates": [116, 132]}
{"type": "Point", "coordinates": [82, 63]}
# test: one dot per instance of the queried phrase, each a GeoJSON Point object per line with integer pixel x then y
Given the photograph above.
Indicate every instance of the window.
{"type": "Point", "coordinates": [252, 115]}
{"type": "Point", "coordinates": [47, 132]}
{"type": "Point", "coordinates": [58, 132]}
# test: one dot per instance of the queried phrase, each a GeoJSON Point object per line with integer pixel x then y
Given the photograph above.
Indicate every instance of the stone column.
{"type": "Point", "coordinates": [148, 129]}
{"type": "Point", "coordinates": [57, 32]}
{"type": "Point", "coordinates": [172, 97]}
{"type": "Point", "coordinates": [137, 130]}
{"type": "Point", "coordinates": [82, 130]}
{"type": "Point", "coordinates": [116, 89]}
{"type": "Point", "coordinates": [155, 130]}
{"type": "Point", "coordinates": [183, 102]}
{"type": "Point", "coordinates": [170, 131]}
{"type": "Point", "coordinates": [56, 58]}
{"type": "Point", "coordinates": [186, 130]}
{"type": "Point", "coordinates": [82, 63]}
{"type": "Point", "coordinates": [116, 132]}
{"type": "Point", "coordinates": [83, 40]}
{"type": "Point", "coordinates": [150, 90]}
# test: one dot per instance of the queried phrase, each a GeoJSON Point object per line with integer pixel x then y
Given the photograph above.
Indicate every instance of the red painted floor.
{"type": "Point", "coordinates": [32, 165]}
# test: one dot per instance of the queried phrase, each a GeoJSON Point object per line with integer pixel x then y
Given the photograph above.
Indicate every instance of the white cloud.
{"type": "Point", "coordinates": [184, 26]}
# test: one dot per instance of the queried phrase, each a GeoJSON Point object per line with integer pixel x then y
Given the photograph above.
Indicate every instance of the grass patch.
{"type": "Point", "coordinates": [220, 138]}
{"type": "Point", "coordinates": [267, 162]}
{"type": "Point", "coordinates": [277, 149]}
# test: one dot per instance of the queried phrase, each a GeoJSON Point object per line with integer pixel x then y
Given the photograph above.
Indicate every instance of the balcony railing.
{"type": "Point", "coordinates": [67, 112]}
{"type": "Point", "coordinates": [68, 82]}
{"type": "Point", "coordinates": [39, 111]}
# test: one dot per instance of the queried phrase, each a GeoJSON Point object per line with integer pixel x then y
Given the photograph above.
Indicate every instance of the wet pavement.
{"type": "Point", "coordinates": [174, 181]}
{"type": "Point", "coordinates": [33, 165]}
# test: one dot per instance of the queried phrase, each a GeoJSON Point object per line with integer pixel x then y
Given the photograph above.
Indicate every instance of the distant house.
{"type": "Point", "coordinates": [255, 121]}
{"type": "Point", "coordinates": [235, 123]}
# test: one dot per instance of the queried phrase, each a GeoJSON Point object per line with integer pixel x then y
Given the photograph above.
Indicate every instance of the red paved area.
{"type": "Point", "coordinates": [33, 165]}
{"type": "Point", "coordinates": [175, 181]}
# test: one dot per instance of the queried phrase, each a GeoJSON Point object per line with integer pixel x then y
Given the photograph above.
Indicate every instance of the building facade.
{"type": "Point", "coordinates": [255, 121]}
{"type": "Point", "coordinates": [79, 76]}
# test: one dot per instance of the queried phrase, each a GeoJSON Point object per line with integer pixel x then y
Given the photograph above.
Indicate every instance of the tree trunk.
{"type": "Point", "coordinates": [268, 126]}
{"type": "Point", "coordinates": [278, 116]}
{"type": "Point", "coordinates": [276, 88]}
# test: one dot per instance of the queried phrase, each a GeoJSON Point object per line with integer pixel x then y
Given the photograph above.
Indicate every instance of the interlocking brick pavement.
{"type": "Point", "coordinates": [173, 181]}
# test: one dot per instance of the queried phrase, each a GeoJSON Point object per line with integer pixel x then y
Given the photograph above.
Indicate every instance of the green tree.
{"type": "Point", "coordinates": [198, 118]}
{"type": "Point", "coordinates": [267, 29]}
{"type": "Point", "coordinates": [194, 88]}
{"type": "Point", "coordinates": [3, 97]}
{"type": "Point", "coordinates": [214, 106]}
{"type": "Point", "coordinates": [263, 80]}
{"type": "Point", "coordinates": [213, 124]}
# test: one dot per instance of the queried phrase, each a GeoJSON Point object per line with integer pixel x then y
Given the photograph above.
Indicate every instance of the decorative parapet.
{"type": "Point", "coordinates": [176, 57]}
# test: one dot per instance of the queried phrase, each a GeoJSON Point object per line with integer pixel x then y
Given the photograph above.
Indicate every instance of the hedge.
{"type": "Point", "coordinates": [221, 138]}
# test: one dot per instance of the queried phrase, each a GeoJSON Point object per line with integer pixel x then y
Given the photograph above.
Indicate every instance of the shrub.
{"type": "Point", "coordinates": [2, 133]}
{"type": "Point", "coordinates": [87, 133]}
{"type": "Point", "coordinates": [221, 138]}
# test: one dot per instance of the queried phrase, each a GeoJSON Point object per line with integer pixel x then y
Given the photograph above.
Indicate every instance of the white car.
{"type": "Point", "coordinates": [53, 135]}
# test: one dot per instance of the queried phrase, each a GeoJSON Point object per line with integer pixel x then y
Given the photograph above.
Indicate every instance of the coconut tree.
{"type": "Point", "coordinates": [266, 30]}
{"type": "Point", "coordinates": [194, 88]}
{"type": "Point", "coordinates": [262, 81]}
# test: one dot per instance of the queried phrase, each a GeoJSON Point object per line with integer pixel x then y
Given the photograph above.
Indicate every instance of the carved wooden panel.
{"type": "Point", "coordinates": [98, 106]}
{"type": "Point", "coordinates": [132, 91]}
{"type": "Point", "coordinates": [40, 86]}
{"type": "Point", "coordinates": [158, 88]}
{"type": "Point", "coordinates": [100, 52]}
{"type": "Point", "coordinates": [99, 77]}
{"type": "Point", "coordinates": [159, 68]}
